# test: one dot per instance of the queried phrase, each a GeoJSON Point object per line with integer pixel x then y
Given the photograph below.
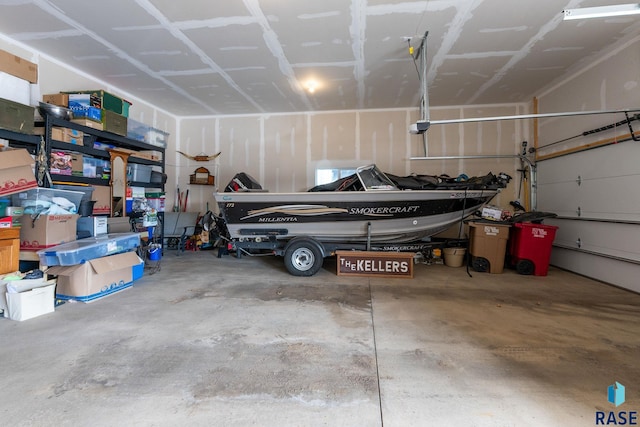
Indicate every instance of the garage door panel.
{"type": "Point", "coordinates": [608, 270]}
{"type": "Point", "coordinates": [595, 199]}
{"type": "Point", "coordinates": [606, 238]}
{"type": "Point", "coordinates": [603, 185]}
{"type": "Point", "coordinates": [563, 196]}
{"type": "Point", "coordinates": [567, 173]}
{"type": "Point", "coordinates": [616, 197]}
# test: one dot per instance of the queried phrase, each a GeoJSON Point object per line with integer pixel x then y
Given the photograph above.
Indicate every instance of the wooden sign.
{"type": "Point", "coordinates": [375, 264]}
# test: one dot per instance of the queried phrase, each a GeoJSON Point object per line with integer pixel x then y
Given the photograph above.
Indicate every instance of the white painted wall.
{"type": "Point", "coordinates": [595, 192]}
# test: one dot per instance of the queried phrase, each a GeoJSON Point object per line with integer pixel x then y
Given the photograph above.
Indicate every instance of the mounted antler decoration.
{"type": "Point", "coordinates": [200, 157]}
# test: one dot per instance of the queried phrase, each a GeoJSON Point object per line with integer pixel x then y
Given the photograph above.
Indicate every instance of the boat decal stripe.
{"type": "Point", "coordinates": [303, 210]}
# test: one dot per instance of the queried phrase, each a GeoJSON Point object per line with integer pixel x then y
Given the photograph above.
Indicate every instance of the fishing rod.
{"type": "Point", "coordinates": [627, 121]}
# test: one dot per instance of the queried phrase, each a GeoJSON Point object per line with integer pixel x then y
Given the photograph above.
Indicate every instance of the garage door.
{"type": "Point", "coordinates": [596, 195]}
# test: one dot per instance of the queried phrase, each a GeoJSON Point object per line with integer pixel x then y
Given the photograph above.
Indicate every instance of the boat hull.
{"type": "Point", "coordinates": [376, 216]}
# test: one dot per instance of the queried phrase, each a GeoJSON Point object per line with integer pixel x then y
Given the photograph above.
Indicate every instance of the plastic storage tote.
{"type": "Point", "coordinates": [87, 190]}
{"type": "Point", "coordinates": [488, 246]}
{"type": "Point", "coordinates": [49, 201]}
{"type": "Point", "coordinates": [79, 251]}
{"type": "Point", "coordinates": [139, 173]}
{"type": "Point", "coordinates": [530, 247]}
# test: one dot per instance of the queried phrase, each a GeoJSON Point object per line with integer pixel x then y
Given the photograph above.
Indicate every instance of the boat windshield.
{"type": "Point", "coordinates": [373, 178]}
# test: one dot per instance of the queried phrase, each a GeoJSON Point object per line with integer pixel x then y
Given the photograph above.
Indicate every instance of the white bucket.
{"type": "Point", "coordinates": [454, 257]}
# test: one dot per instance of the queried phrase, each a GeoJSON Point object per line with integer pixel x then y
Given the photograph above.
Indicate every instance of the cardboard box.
{"type": "Point", "coordinates": [77, 164]}
{"type": "Point", "coordinates": [26, 299]}
{"type": "Point", "coordinates": [103, 99]}
{"type": "Point", "coordinates": [118, 225]}
{"type": "Point", "coordinates": [5, 222]}
{"type": "Point", "coordinates": [61, 163]}
{"type": "Point", "coordinates": [91, 113]}
{"type": "Point", "coordinates": [16, 173]}
{"type": "Point", "coordinates": [56, 133]}
{"type": "Point", "coordinates": [18, 67]}
{"type": "Point", "coordinates": [492, 212]}
{"type": "Point", "coordinates": [88, 123]}
{"type": "Point", "coordinates": [71, 136]}
{"type": "Point", "coordinates": [96, 278]}
{"type": "Point", "coordinates": [149, 154]}
{"type": "Point", "coordinates": [61, 99]}
{"type": "Point", "coordinates": [81, 101]}
{"type": "Point", "coordinates": [47, 231]}
{"type": "Point", "coordinates": [102, 196]}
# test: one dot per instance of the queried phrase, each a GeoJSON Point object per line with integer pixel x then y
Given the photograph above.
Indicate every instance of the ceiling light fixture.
{"type": "Point", "coordinates": [311, 86]}
{"type": "Point", "coordinates": [602, 11]}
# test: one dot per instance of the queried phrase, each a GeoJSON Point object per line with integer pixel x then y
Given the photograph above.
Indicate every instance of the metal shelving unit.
{"type": "Point", "coordinates": [41, 147]}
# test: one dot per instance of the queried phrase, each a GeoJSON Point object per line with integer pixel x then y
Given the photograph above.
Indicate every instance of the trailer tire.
{"type": "Point", "coordinates": [303, 257]}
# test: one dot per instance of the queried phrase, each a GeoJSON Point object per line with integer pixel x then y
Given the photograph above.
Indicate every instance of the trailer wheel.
{"type": "Point", "coordinates": [303, 258]}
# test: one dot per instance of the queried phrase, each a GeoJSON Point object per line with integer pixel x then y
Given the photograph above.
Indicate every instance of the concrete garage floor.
{"type": "Point", "coordinates": [239, 342]}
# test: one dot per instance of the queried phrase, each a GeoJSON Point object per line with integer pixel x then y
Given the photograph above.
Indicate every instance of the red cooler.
{"type": "Point", "coordinates": [530, 247]}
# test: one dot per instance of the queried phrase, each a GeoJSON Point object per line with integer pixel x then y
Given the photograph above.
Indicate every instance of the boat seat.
{"type": "Point", "coordinates": [179, 227]}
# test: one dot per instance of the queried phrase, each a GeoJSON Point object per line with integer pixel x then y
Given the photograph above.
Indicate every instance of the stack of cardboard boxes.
{"type": "Point", "coordinates": [19, 299]}
{"type": "Point", "coordinates": [16, 175]}
{"type": "Point", "coordinates": [41, 221]}
{"type": "Point", "coordinates": [97, 109]}
{"type": "Point", "coordinates": [47, 223]}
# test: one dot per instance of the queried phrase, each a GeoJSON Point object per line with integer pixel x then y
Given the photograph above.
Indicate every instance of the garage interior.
{"type": "Point", "coordinates": [285, 89]}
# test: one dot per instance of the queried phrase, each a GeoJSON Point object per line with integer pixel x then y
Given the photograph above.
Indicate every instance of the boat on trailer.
{"type": "Point", "coordinates": [369, 208]}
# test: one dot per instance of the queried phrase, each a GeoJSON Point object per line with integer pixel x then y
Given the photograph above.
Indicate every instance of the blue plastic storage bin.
{"type": "Point", "coordinates": [79, 251]}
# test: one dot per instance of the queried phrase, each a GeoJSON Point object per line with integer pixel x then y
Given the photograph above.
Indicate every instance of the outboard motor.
{"type": "Point", "coordinates": [242, 182]}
